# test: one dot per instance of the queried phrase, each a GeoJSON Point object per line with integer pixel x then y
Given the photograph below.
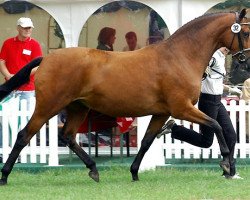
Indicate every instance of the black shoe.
{"type": "Point", "coordinates": [167, 128]}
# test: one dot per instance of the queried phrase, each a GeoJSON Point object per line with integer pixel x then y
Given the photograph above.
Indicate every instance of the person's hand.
{"type": "Point", "coordinates": [234, 90]}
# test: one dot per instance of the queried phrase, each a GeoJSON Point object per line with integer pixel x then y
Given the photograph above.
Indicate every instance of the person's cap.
{"type": "Point", "coordinates": [25, 22]}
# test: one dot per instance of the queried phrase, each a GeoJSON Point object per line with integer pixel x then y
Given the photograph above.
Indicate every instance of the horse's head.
{"type": "Point", "coordinates": [240, 68]}
{"type": "Point", "coordinates": [240, 71]}
{"type": "Point", "coordinates": [240, 42]}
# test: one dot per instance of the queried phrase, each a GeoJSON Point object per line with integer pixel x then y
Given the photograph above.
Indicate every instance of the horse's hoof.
{"type": "Point", "coordinates": [94, 176]}
{"type": "Point", "coordinates": [135, 178]}
{"type": "Point", "coordinates": [3, 182]}
{"type": "Point", "coordinates": [225, 166]}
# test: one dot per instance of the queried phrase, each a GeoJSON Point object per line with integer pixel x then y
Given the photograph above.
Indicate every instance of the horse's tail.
{"type": "Point", "coordinates": [21, 77]}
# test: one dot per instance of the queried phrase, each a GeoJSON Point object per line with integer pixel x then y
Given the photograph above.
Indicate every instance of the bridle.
{"type": "Point", "coordinates": [236, 29]}
{"type": "Point", "coordinates": [242, 56]}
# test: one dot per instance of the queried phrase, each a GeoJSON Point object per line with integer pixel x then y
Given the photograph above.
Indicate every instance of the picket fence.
{"type": "Point", "coordinates": [13, 120]}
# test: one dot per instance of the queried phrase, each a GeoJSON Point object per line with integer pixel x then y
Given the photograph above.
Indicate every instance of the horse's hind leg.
{"type": "Point", "coordinates": [153, 129]}
{"type": "Point", "coordinates": [22, 140]}
{"type": "Point", "coordinates": [192, 114]}
{"type": "Point", "coordinates": [76, 113]}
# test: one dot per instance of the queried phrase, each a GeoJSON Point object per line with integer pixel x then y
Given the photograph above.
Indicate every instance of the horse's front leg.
{"type": "Point", "coordinates": [153, 129]}
{"type": "Point", "coordinates": [20, 143]}
{"type": "Point", "coordinates": [192, 114]}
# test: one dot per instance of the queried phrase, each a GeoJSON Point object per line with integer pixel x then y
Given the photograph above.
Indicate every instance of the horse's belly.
{"type": "Point", "coordinates": [125, 108]}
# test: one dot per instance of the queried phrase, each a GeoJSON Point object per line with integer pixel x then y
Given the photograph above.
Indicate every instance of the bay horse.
{"type": "Point", "coordinates": [161, 80]}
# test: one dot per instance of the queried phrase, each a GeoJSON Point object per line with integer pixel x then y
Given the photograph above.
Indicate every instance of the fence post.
{"type": "Point", "coordinates": [154, 156]}
{"type": "Point", "coordinates": [10, 125]}
{"type": "Point", "coordinates": [5, 132]}
{"type": "Point", "coordinates": [53, 142]}
{"type": "Point", "coordinates": [243, 127]}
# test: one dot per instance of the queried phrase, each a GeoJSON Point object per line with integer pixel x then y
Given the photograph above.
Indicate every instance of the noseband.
{"type": "Point", "coordinates": [236, 29]}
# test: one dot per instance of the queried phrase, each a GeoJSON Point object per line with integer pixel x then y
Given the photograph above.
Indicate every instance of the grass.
{"type": "Point", "coordinates": [115, 183]}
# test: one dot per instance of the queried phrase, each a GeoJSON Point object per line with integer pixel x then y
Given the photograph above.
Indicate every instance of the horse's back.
{"type": "Point", "coordinates": [91, 62]}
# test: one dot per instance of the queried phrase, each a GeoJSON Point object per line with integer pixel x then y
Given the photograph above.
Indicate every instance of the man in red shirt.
{"type": "Point", "coordinates": [16, 52]}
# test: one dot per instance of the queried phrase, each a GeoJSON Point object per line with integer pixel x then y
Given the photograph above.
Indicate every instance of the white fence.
{"type": "Point", "coordinates": [164, 148]}
{"type": "Point", "coordinates": [14, 120]}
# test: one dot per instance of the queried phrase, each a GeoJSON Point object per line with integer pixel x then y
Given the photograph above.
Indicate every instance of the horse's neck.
{"type": "Point", "coordinates": [201, 37]}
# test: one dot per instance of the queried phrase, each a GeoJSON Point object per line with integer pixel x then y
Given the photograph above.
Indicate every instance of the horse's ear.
{"type": "Point", "coordinates": [243, 13]}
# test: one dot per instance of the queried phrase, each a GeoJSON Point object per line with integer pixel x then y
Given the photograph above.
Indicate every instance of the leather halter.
{"type": "Point", "coordinates": [241, 55]}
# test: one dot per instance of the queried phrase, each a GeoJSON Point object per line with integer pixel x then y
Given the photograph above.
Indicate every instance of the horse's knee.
{"type": "Point", "coordinates": [71, 142]}
{"type": "Point", "coordinates": [207, 144]}
{"type": "Point", "coordinates": [67, 139]}
{"type": "Point", "coordinates": [216, 126]}
{"type": "Point", "coordinates": [21, 140]}
{"type": "Point", "coordinates": [63, 139]}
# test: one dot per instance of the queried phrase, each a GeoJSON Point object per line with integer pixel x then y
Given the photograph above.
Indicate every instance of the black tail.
{"type": "Point", "coordinates": [21, 77]}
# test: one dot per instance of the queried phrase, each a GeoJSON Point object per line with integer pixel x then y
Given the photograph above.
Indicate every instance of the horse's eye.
{"type": "Point", "coordinates": [246, 34]}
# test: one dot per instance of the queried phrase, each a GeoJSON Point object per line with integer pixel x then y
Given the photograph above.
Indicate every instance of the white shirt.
{"type": "Point", "coordinates": [213, 83]}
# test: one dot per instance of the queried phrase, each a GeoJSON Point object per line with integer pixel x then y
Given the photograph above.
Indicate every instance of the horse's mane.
{"type": "Point", "coordinates": [199, 21]}
{"type": "Point", "coordinates": [199, 24]}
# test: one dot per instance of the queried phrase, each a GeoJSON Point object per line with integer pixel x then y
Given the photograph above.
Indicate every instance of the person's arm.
{"type": "Point", "coordinates": [5, 72]}
{"type": "Point", "coordinates": [232, 90]}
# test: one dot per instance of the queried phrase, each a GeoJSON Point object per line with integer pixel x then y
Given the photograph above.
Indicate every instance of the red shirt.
{"type": "Point", "coordinates": [17, 54]}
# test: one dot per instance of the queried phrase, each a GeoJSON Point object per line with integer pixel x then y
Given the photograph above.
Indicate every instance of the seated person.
{"type": "Point", "coordinates": [131, 40]}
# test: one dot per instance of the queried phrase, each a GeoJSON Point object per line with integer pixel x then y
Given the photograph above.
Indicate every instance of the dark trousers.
{"type": "Point", "coordinates": [211, 105]}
